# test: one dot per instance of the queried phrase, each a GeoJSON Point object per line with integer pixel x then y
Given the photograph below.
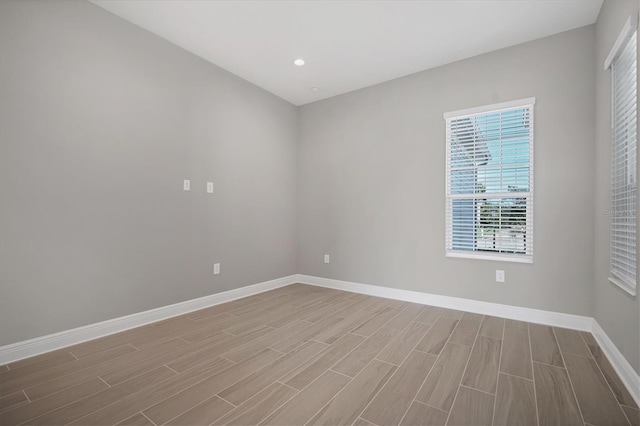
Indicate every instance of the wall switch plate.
{"type": "Point", "coordinates": [186, 185]}
{"type": "Point", "coordinates": [499, 276]}
{"type": "Point", "coordinates": [216, 268]}
{"type": "Point", "coordinates": [326, 258]}
{"type": "Point", "coordinates": [209, 187]}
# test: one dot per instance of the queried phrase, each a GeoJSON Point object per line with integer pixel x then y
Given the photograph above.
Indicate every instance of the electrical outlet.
{"type": "Point", "coordinates": [327, 258]}
{"type": "Point", "coordinates": [499, 276]}
{"type": "Point", "coordinates": [209, 187]}
{"type": "Point", "coordinates": [216, 268]}
{"type": "Point", "coordinates": [186, 185]}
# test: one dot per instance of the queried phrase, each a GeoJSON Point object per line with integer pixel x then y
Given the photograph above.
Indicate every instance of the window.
{"type": "Point", "coordinates": [623, 213]}
{"type": "Point", "coordinates": [489, 213]}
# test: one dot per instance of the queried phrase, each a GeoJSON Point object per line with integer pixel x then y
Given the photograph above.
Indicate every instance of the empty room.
{"type": "Point", "coordinates": [319, 212]}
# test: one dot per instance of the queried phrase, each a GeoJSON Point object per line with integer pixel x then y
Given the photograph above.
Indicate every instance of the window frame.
{"type": "Point", "coordinates": [629, 29]}
{"type": "Point", "coordinates": [488, 255]}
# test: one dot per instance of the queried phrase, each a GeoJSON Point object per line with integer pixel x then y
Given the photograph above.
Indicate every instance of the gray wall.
{"type": "Point", "coordinates": [100, 122]}
{"type": "Point", "coordinates": [615, 310]}
{"type": "Point", "coordinates": [371, 178]}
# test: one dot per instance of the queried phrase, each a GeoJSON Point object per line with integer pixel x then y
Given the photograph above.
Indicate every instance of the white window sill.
{"type": "Point", "coordinates": [500, 257]}
{"type": "Point", "coordinates": [626, 287]}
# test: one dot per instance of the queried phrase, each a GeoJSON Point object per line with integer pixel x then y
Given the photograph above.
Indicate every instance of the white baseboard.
{"type": "Point", "coordinates": [576, 322]}
{"type": "Point", "coordinates": [629, 377]}
{"type": "Point", "coordinates": [625, 371]}
{"type": "Point", "coordinates": [39, 345]}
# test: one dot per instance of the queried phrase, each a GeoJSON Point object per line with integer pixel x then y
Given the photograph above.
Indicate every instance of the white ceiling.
{"type": "Point", "coordinates": [347, 45]}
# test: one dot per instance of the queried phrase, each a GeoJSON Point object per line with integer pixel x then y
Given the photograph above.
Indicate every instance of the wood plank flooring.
{"type": "Point", "coordinates": [309, 355]}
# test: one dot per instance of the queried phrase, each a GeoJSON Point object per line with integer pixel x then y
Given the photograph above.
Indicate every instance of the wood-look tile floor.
{"type": "Point", "coordinates": [307, 355]}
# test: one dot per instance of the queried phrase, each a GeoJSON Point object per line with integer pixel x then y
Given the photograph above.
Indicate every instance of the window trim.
{"type": "Point", "coordinates": [627, 30]}
{"type": "Point", "coordinates": [630, 26]}
{"type": "Point", "coordinates": [461, 113]}
{"type": "Point", "coordinates": [493, 108]}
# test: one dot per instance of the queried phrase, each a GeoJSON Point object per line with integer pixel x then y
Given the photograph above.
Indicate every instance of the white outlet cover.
{"type": "Point", "coordinates": [186, 185]}
{"type": "Point", "coordinates": [499, 276]}
{"type": "Point", "coordinates": [327, 258]}
{"type": "Point", "coordinates": [216, 268]}
{"type": "Point", "coordinates": [209, 187]}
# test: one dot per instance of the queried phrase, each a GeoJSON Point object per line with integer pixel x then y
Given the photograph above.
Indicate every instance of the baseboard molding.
{"type": "Point", "coordinates": [576, 322]}
{"type": "Point", "coordinates": [630, 378]}
{"type": "Point", "coordinates": [627, 374]}
{"type": "Point", "coordinates": [39, 345]}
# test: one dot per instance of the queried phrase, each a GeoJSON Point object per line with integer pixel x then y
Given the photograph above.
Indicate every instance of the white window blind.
{"type": "Point", "coordinates": [489, 205]}
{"type": "Point", "coordinates": [623, 213]}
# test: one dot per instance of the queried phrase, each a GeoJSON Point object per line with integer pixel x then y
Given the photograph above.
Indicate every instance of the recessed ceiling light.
{"type": "Point", "coordinates": [299, 62]}
{"type": "Point", "coordinates": [314, 89]}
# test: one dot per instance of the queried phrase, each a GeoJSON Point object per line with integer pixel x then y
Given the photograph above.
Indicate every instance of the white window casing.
{"type": "Point", "coordinates": [489, 182]}
{"type": "Point", "coordinates": [622, 61]}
